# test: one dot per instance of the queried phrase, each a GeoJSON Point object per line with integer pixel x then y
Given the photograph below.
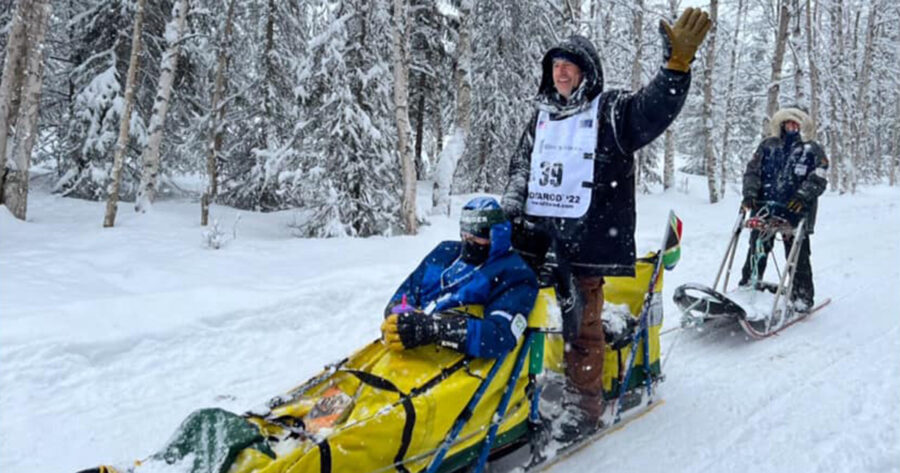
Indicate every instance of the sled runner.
{"type": "Point", "coordinates": [761, 308]}
{"type": "Point", "coordinates": [427, 409]}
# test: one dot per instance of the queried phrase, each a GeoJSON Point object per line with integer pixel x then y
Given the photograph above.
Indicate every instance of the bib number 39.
{"type": "Point", "coordinates": [551, 174]}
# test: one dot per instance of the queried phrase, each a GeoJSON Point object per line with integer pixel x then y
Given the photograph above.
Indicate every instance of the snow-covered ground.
{"type": "Point", "coordinates": [110, 337]}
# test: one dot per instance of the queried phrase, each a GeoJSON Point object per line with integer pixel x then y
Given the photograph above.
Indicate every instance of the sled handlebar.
{"type": "Point", "coordinates": [770, 224]}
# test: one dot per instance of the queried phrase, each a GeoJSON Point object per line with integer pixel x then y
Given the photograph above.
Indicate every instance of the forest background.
{"type": "Point", "coordinates": [339, 108]}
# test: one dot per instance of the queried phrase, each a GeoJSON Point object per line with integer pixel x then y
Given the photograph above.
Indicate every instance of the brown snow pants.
{"type": "Point", "coordinates": [584, 355]}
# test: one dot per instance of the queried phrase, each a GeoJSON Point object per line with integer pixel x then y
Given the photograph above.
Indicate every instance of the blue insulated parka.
{"type": "Point", "coordinates": [504, 285]}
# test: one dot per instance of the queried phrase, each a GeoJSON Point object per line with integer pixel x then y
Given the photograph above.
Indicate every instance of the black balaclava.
{"type": "Point", "coordinates": [790, 137]}
{"type": "Point", "coordinates": [473, 253]}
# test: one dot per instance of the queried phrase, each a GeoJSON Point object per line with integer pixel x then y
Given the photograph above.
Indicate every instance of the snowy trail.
{"type": "Point", "coordinates": [109, 338]}
{"type": "Point", "coordinates": [122, 376]}
{"type": "Point", "coordinates": [822, 396]}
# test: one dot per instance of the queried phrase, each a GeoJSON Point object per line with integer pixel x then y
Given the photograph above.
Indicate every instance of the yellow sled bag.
{"type": "Point", "coordinates": [630, 292]}
{"type": "Point", "coordinates": [378, 410]}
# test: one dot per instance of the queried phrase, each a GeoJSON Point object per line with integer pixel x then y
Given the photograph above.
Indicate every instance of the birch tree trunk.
{"type": "Point", "coordinates": [269, 93]}
{"type": "Point", "coordinates": [708, 148]}
{"type": "Point", "coordinates": [20, 96]}
{"type": "Point", "coordinates": [456, 145]}
{"type": "Point", "coordinates": [860, 139]}
{"type": "Point", "coordinates": [216, 116]}
{"type": "Point", "coordinates": [401, 113]}
{"type": "Point", "coordinates": [669, 160]}
{"type": "Point", "coordinates": [797, 55]}
{"type": "Point", "coordinates": [781, 34]}
{"type": "Point", "coordinates": [729, 99]}
{"type": "Point", "coordinates": [150, 157]}
{"type": "Point", "coordinates": [112, 198]}
{"type": "Point", "coordinates": [637, 40]}
{"type": "Point", "coordinates": [837, 103]}
{"type": "Point", "coordinates": [812, 65]}
{"type": "Point", "coordinates": [11, 87]}
{"type": "Point", "coordinates": [895, 146]}
{"type": "Point", "coordinates": [574, 7]}
{"type": "Point", "coordinates": [669, 152]}
{"type": "Point", "coordinates": [437, 121]}
{"type": "Point", "coordinates": [878, 155]}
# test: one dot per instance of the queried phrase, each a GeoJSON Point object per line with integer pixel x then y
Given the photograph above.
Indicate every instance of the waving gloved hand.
{"type": "Point", "coordinates": [680, 42]}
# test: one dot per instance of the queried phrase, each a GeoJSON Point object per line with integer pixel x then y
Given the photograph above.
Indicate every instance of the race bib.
{"type": "Point", "coordinates": [562, 162]}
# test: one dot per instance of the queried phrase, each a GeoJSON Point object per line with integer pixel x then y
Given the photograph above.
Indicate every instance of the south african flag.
{"type": "Point", "coordinates": [672, 250]}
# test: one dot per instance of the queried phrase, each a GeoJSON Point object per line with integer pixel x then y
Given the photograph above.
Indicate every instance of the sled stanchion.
{"type": "Point", "coordinates": [790, 268]}
{"type": "Point", "coordinates": [504, 402]}
{"type": "Point", "coordinates": [624, 386]}
{"type": "Point", "coordinates": [646, 344]}
{"type": "Point", "coordinates": [639, 343]}
{"type": "Point", "coordinates": [464, 417]}
{"type": "Point", "coordinates": [730, 251]}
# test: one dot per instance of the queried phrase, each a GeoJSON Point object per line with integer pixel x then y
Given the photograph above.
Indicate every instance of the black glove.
{"type": "Point", "coordinates": [800, 202]}
{"type": "Point", "coordinates": [748, 204]}
{"type": "Point", "coordinates": [410, 330]}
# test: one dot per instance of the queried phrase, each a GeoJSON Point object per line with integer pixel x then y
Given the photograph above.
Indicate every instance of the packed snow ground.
{"type": "Point", "coordinates": [110, 337]}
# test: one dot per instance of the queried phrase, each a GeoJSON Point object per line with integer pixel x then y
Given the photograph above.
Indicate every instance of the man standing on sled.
{"type": "Point", "coordinates": [571, 187]}
{"type": "Point", "coordinates": [480, 270]}
{"type": "Point", "coordinates": [785, 179]}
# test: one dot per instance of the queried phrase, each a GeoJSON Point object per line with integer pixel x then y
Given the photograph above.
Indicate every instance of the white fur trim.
{"type": "Point", "coordinates": [807, 127]}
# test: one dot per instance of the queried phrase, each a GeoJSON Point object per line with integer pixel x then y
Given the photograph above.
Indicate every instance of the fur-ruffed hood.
{"type": "Point", "coordinates": [807, 127]}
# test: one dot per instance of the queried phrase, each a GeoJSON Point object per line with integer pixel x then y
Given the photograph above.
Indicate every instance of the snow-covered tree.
{"type": "Point", "coordinates": [508, 42]}
{"type": "Point", "coordinates": [350, 172]}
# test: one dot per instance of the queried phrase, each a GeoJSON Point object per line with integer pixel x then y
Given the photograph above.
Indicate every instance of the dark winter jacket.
{"type": "Point", "coordinates": [602, 241]}
{"type": "Point", "coordinates": [780, 171]}
{"type": "Point", "coordinates": [504, 285]}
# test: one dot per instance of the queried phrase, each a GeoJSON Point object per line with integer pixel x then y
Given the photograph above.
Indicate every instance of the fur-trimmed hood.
{"type": "Point", "coordinates": [807, 127]}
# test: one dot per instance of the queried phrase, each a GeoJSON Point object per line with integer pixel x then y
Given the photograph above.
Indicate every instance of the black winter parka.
{"type": "Point", "coordinates": [600, 243]}
{"type": "Point", "coordinates": [781, 171]}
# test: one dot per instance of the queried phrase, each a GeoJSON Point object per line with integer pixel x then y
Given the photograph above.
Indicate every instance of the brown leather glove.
{"type": "Point", "coordinates": [681, 41]}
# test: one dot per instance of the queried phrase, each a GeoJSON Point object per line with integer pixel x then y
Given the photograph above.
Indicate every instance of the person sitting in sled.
{"type": "Point", "coordinates": [481, 269]}
{"type": "Point", "coordinates": [786, 176]}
